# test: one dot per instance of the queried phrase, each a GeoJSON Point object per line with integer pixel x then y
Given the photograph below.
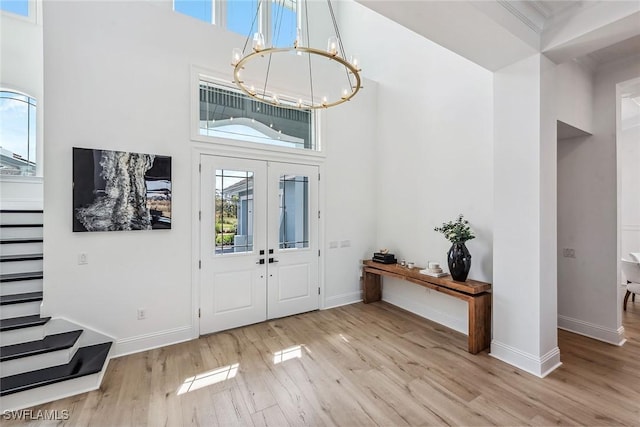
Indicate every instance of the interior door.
{"type": "Point", "coordinates": [259, 241]}
{"type": "Point", "coordinates": [293, 276]}
{"type": "Point", "coordinates": [233, 287]}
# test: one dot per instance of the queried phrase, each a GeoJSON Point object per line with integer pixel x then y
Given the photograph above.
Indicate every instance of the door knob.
{"type": "Point", "coordinates": [272, 260]}
{"type": "Point", "coordinates": [260, 262]}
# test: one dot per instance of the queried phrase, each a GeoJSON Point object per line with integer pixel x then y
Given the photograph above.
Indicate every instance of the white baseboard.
{"type": "Point", "coordinates": [154, 340]}
{"type": "Point", "coordinates": [342, 299]}
{"type": "Point", "coordinates": [540, 366]}
{"type": "Point", "coordinates": [591, 330]}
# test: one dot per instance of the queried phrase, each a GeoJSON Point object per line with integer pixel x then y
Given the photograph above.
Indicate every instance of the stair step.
{"type": "Point", "coordinates": [87, 360]}
{"type": "Point", "coordinates": [22, 322]}
{"type": "Point", "coordinates": [29, 257]}
{"type": "Point", "coordinates": [16, 277]}
{"type": "Point", "coordinates": [20, 298]}
{"type": "Point", "coordinates": [21, 211]}
{"type": "Point", "coordinates": [47, 344]}
{"type": "Point", "coordinates": [23, 240]}
{"type": "Point", "coordinates": [20, 225]}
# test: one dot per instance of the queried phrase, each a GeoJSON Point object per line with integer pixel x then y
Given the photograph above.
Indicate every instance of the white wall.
{"type": "Point", "coordinates": [434, 152]}
{"type": "Point", "coordinates": [351, 196]}
{"type": "Point", "coordinates": [122, 81]}
{"type": "Point", "coordinates": [574, 95]}
{"type": "Point", "coordinates": [524, 288]}
{"type": "Point", "coordinates": [588, 206]}
{"type": "Point", "coordinates": [21, 63]}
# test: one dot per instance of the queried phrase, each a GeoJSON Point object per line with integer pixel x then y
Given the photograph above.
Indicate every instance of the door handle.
{"type": "Point", "coordinates": [260, 262]}
{"type": "Point", "coordinates": [272, 260]}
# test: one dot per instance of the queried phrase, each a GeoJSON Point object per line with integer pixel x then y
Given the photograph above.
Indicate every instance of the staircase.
{"type": "Point", "coordinates": [41, 358]}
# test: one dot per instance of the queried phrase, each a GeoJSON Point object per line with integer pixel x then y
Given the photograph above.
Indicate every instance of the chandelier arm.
{"type": "Point", "coordinates": [337, 30]}
{"type": "Point", "coordinates": [341, 46]}
{"type": "Point", "coordinates": [255, 17]}
{"type": "Point", "coordinates": [266, 77]}
{"type": "Point", "coordinates": [306, 13]}
{"type": "Point", "coordinates": [278, 23]}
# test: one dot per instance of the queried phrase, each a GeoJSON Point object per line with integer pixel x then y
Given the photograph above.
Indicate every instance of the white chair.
{"type": "Point", "coordinates": [631, 271]}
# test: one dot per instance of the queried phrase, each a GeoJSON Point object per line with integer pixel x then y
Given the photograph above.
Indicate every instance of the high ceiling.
{"type": "Point", "coordinates": [496, 33]}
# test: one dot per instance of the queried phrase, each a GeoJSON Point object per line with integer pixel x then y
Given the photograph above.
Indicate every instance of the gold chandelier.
{"type": "Point", "coordinates": [330, 82]}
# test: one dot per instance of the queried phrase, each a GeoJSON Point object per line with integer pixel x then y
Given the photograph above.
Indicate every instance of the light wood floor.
{"type": "Point", "coordinates": [360, 365]}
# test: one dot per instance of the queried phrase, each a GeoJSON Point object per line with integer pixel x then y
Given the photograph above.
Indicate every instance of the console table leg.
{"type": "Point", "coordinates": [479, 323]}
{"type": "Point", "coordinates": [372, 291]}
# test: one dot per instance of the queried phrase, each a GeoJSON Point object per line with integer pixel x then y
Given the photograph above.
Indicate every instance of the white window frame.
{"type": "Point", "coordinates": [199, 74]}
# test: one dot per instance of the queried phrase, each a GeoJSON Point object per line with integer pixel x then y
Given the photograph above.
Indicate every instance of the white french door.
{"type": "Point", "coordinates": [259, 241]}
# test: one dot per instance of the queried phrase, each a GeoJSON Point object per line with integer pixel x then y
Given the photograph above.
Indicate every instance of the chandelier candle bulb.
{"type": "Point", "coordinates": [332, 45]}
{"type": "Point", "coordinates": [258, 42]}
{"type": "Point", "coordinates": [236, 56]}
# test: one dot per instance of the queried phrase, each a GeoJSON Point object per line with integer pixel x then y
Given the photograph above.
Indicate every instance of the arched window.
{"type": "Point", "coordinates": [17, 134]}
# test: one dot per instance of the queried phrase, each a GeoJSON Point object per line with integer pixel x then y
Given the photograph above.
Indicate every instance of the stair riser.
{"type": "Point", "coordinates": [21, 266]}
{"type": "Point", "coordinates": [20, 218]}
{"type": "Point", "coordinates": [51, 392]}
{"type": "Point", "coordinates": [19, 310]}
{"type": "Point", "coordinates": [17, 336]}
{"type": "Point", "coordinates": [9, 288]}
{"type": "Point", "coordinates": [21, 248]}
{"type": "Point", "coordinates": [40, 361]}
{"type": "Point", "coordinates": [21, 232]}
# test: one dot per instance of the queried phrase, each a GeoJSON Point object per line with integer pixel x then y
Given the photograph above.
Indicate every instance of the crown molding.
{"type": "Point", "coordinates": [526, 13]}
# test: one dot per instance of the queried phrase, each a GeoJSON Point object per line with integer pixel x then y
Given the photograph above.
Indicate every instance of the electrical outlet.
{"type": "Point", "coordinates": [83, 259]}
{"type": "Point", "coordinates": [569, 253]}
{"type": "Point", "coordinates": [345, 243]}
{"type": "Point", "coordinates": [333, 244]}
{"type": "Point", "coordinates": [142, 314]}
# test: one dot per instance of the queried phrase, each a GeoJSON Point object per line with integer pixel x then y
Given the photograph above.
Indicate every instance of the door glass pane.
{"type": "Point", "coordinates": [234, 211]}
{"type": "Point", "coordinates": [294, 212]}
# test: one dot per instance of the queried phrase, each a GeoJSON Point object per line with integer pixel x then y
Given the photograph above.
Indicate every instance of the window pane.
{"type": "Point", "coordinates": [17, 134]}
{"type": "Point", "coordinates": [199, 9]}
{"type": "Point", "coordinates": [284, 22]}
{"type": "Point", "coordinates": [19, 7]}
{"type": "Point", "coordinates": [294, 212]}
{"type": "Point", "coordinates": [228, 114]}
{"type": "Point", "coordinates": [234, 211]}
{"type": "Point", "coordinates": [241, 15]}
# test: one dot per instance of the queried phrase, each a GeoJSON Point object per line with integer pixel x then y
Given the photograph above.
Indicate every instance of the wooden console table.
{"type": "Point", "coordinates": [476, 294]}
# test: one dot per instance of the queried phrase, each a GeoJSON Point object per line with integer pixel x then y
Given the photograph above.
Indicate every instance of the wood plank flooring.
{"type": "Point", "coordinates": [359, 365]}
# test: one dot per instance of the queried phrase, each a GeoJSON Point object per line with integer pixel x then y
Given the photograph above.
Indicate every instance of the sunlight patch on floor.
{"type": "Point", "coordinates": [294, 352]}
{"type": "Point", "coordinates": [208, 378]}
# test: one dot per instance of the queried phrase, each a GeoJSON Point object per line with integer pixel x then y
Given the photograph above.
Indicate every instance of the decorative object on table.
{"type": "Point", "coordinates": [403, 263]}
{"type": "Point", "coordinates": [117, 190]}
{"type": "Point", "coordinates": [411, 264]}
{"type": "Point", "coordinates": [434, 270]}
{"type": "Point", "coordinates": [458, 256]}
{"type": "Point", "coordinates": [383, 256]}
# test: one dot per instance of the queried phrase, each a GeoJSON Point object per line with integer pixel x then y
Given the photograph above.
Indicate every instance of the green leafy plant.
{"type": "Point", "coordinates": [457, 231]}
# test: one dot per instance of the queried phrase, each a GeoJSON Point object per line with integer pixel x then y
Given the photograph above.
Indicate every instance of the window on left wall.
{"type": "Point", "coordinates": [17, 134]}
{"type": "Point", "coordinates": [18, 7]}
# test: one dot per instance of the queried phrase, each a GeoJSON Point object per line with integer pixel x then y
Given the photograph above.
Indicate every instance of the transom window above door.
{"type": "Point", "coordinates": [226, 113]}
